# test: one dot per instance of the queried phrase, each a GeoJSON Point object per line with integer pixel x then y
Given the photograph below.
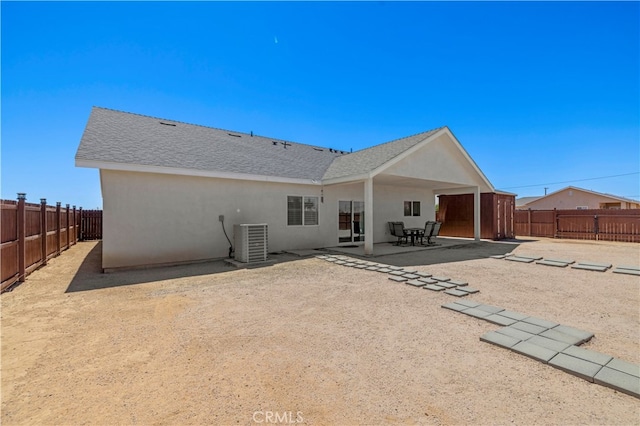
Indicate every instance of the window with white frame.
{"type": "Point", "coordinates": [302, 210]}
{"type": "Point", "coordinates": [412, 208]}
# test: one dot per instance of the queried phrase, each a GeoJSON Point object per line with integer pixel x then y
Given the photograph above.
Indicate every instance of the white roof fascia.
{"type": "Point", "coordinates": [347, 179]}
{"type": "Point", "coordinates": [105, 165]}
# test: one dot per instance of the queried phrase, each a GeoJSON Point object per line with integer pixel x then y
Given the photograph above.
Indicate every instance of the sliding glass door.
{"type": "Point", "coordinates": [350, 221]}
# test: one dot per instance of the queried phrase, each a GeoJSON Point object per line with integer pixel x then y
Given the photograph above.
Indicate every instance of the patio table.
{"type": "Point", "coordinates": [413, 232]}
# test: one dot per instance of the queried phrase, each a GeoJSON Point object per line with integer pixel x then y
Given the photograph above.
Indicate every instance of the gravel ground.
{"type": "Point", "coordinates": [307, 341]}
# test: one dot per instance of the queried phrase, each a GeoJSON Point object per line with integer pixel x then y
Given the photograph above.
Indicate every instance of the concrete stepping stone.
{"type": "Point", "coordinates": [514, 332]}
{"type": "Point", "coordinates": [545, 342]}
{"type": "Point", "coordinates": [397, 279]}
{"type": "Point", "coordinates": [458, 283]}
{"type": "Point", "coordinates": [322, 256]}
{"type": "Point", "coordinates": [578, 367]}
{"type": "Point", "coordinates": [411, 276]}
{"type": "Point", "coordinates": [455, 292]}
{"type": "Point", "coordinates": [602, 265]}
{"type": "Point", "coordinates": [513, 315]}
{"type": "Point", "coordinates": [395, 268]}
{"type": "Point", "coordinates": [489, 308]}
{"type": "Point", "coordinates": [361, 266]}
{"type": "Point", "coordinates": [498, 256]}
{"type": "Point", "coordinates": [499, 319]}
{"type": "Point", "coordinates": [622, 366]}
{"type": "Point", "coordinates": [618, 270]}
{"type": "Point", "coordinates": [567, 261]}
{"type": "Point", "coordinates": [340, 262]}
{"type": "Point", "coordinates": [519, 259]}
{"type": "Point", "coordinates": [415, 283]}
{"type": "Point", "coordinates": [619, 381]}
{"type": "Point", "coordinates": [410, 271]}
{"type": "Point", "coordinates": [350, 264]}
{"type": "Point", "coordinates": [469, 290]}
{"type": "Point", "coordinates": [536, 352]}
{"type": "Point", "coordinates": [445, 284]}
{"type": "Point", "coordinates": [631, 268]}
{"type": "Point", "coordinates": [561, 337]}
{"type": "Point", "coordinates": [588, 355]}
{"type": "Point", "coordinates": [397, 273]}
{"type": "Point", "coordinates": [530, 328]}
{"type": "Point", "coordinates": [589, 267]}
{"type": "Point", "coordinates": [385, 270]}
{"type": "Point", "coordinates": [443, 279]}
{"type": "Point", "coordinates": [548, 262]}
{"type": "Point", "coordinates": [584, 336]}
{"type": "Point", "coordinates": [454, 306]}
{"type": "Point", "coordinates": [528, 256]}
{"type": "Point", "coordinates": [541, 322]}
{"type": "Point", "coordinates": [423, 274]}
{"type": "Point", "coordinates": [428, 281]}
{"type": "Point", "coordinates": [372, 268]}
{"type": "Point", "coordinates": [499, 339]}
{"type": "Point", "coordinates": [331, 259]}
{"type": "Point", "coordinates": [469, 303]}
{"type": "Point", "coordinates": [435, 287]}
{"type": "Point", "coordinates": [475, 312]}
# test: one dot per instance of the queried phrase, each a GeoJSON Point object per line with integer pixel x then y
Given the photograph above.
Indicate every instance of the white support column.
{"type": "Point", "coordinates": [476, 213]}
{"type": "Point", "coordinates": [368, 216]}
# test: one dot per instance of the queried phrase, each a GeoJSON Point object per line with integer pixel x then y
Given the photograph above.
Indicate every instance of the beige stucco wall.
{"type": "Point", "coordinates": [154, 218]}
{"type": "Point", "coordinates": [570, 199]}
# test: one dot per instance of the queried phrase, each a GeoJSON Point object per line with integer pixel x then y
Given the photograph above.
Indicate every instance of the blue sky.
{"type": "Point", "coordinates": [537, 92]}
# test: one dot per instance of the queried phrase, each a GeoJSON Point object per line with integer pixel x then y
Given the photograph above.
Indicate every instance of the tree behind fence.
{"type": "Point", "coordinates": [600, 224]}
{"type": "Point", "coordinates": [31, 234]}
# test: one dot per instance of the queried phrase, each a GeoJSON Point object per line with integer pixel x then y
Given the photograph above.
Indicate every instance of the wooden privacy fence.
{"type": "Point", "coordinates": [603, 225]}
{"type": "Point", "coordinates": [31, 234]}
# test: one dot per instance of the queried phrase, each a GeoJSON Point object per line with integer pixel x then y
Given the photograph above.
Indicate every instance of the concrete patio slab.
{"type": "Point", "coordinates": [623, 366]}
{"type": "Point", "coordinates": [513, 315]}
{"type": "Point", "coordinates": [529, 328]}
{"type": "Point", "coordinates": [437, 278]}
{"type": "Point", "coordinates": [534, 351]}
{"type": "Point", "coordinates": [455, 292]}
{"type": "Point", "coordinates": [469, 303]}
{"type": "Point", "coordinates": [499, 319]}
{"type": "Point", "coordinates": [588, 355]}
{"type": "Point", "coordinates": [454, 306]}
{"type": "Point", "coordinates": [545, 342]}
{"type": "Point", "coordinates": [415, 283]}
{"type": "Point", "coordinates": [513, 332]}
{"type": "Point", "coordinates": [397, 279]}
{"type": "Point", "coordinates": [540, 322]}
{"type": "Point", "coordinates": [434, 288]}
{"type": "Point", "coordinates": [583, 335]}
{"type": "Point", "coordinates": [619, 381]}
{"type": "Point", "coordinates": [499, 339]}
{"type": "Point", "coordinates": [489, 308]}
{"type": "Point", "coordinates": [576, 366]}
{"type": "Point", "coordinates": [469, 290]}
{"type": "Point", "coordinates": [561, 337]}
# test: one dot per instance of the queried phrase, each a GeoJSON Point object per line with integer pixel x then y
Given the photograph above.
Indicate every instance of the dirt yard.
{"type": "Point", "coordinates": [307, 341]}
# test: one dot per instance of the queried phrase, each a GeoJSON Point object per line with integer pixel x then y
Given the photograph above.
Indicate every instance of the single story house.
{"type": "Point", "coordinates": [173, 191]}
{"type": "Point", "coordinates": [574, 198]}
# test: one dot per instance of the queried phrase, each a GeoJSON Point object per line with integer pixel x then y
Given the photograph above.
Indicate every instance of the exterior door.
{"type": "Point", "coordinates": [350, 221]}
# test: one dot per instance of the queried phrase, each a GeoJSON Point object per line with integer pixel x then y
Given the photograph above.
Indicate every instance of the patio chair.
{"type": "Point", "coordinates": [434, 232]}
{"type": "Point", "coordinates": [428, 228]}
{"type": "Point", "coordinates": [399, 233]}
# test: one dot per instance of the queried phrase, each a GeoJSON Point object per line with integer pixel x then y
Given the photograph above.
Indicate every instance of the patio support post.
{"type": "Point", "coordinates": [476, 213]}
{"type": "Point", "coordinates": [368, 216]}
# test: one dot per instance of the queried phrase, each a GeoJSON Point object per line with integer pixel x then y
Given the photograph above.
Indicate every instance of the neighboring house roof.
{"type": "Point", "coordinates": [125, 141]}
{"type": "Point", "coordinates": [526, 200]}
{"type": "Point", "coordinates": [575, 188]}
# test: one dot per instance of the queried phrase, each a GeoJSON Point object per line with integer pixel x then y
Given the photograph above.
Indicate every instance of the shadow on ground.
{"type": "Point", "coordinates": [91, 277]}
{"type": "Point", "coordinates": [457, 253]}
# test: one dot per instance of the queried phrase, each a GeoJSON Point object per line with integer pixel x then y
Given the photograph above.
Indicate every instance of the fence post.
{"type": "Point", "coordinates": [21, 236]}
{"type": "Point", "coordinates": [58, 236]}
{"type": "Point", "coordinates": [80, 236]}
{"type": "Point", "coordinates": [43, 228]}
{"type": "Point", "coordinates": [529, 221]}
{"type": "Point", "coordinates": [75, 226]}
{"type": "Point", "coordinates": [68, 227]}
{"type": "Point", "coordinates": [555, 223]}
{"type": "Point", "coordinates": [595, 225]}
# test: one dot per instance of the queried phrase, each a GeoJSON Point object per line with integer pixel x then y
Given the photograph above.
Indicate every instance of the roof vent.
{"type": "Point", "coordinates": [318, 149]}
{"type": "Point", "coordinates": [330, 149]}
{"type": "Point", "coordinates": [274, 142]}
{"type": "Point", "coordinates": [235, 136]}
{"type": "Point", "coordinates": [167, 124]}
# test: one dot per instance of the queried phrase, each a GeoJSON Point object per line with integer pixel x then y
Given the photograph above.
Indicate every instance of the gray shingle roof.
{"type": "Point", "coordinates": [132, 139]}
{"type": "Point", "coordinates": [370, 159]}
{"type": "Point", "coordinates": [120, 137]}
